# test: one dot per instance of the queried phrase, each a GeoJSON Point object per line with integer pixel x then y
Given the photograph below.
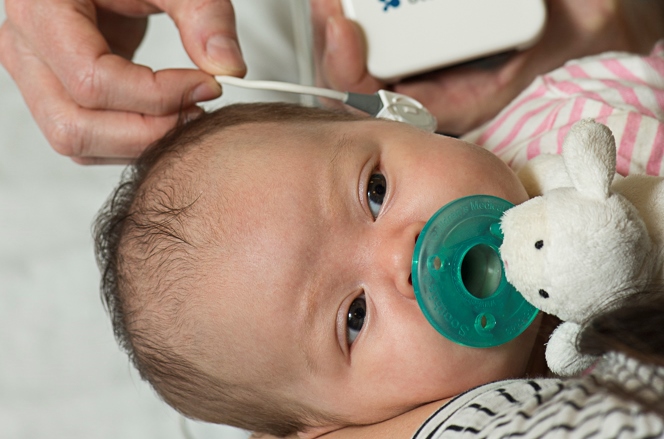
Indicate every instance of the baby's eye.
{"type": "Point", "coordinates": [356, 314]}
{"type": "Point", "coordinates": [376, 190]}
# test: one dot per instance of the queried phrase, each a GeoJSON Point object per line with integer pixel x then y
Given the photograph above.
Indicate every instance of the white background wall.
{"type": "Point", "coordinates": [61, 373]}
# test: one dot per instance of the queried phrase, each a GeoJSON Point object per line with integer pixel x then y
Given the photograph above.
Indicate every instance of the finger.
{"type": "Point", "coordinates": [344, 58]}
{"type": "Point", "coordinates": [113, 83]}
{"type": "Point", "coordinates": [96, 134]}
{"type": "Point", "coordinates": [80, 132]}
{"type": "Point", "coordinates": [209, 34]}
{"type": "Point", "coordinates": [123, 34]}
{"type": "Point", "coordinates": [321, 11]}
{"type": "Point", "coordinates": [86, 161]}
{"type": "Point", "coordinates": [97, 79]}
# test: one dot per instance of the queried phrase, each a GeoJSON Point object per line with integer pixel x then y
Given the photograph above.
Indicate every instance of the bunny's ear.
{"type": "Point", "coordinates": [544, 173]}
{"type": "Point", "coordinates": [589, 152]}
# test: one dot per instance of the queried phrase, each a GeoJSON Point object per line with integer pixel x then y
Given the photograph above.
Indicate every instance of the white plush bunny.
{"type": "Point", "coordinates": [586, 241]}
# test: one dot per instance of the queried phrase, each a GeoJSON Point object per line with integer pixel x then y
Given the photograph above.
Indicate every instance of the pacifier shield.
{"type": "Point", "coordinates": [459, 279]}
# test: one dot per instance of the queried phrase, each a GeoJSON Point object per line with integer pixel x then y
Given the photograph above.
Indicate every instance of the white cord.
{"type": "Point", "coordinates": [283, 86]}
{"type": "Point", "coordinates": [384, 104]}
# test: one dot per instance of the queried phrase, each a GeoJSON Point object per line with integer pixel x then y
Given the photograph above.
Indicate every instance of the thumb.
{"type": "Point", "coordinates": [344, 58]}
{"type": "Point", "coordinates": [209, 34]}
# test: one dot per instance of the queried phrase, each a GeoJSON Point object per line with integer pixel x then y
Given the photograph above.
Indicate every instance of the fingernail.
{"type": "Point", "coordinates": [331, 35]}
{"type": "Point", "coordinates": [193, 113]}
{"type": "Point", "coordinates": [205, 91]}
{"type": "Point", "coordinates": [225, 53]}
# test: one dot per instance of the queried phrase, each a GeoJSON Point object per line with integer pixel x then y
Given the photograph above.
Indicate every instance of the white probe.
{"type": "Point", "coordinates": [383, 104]}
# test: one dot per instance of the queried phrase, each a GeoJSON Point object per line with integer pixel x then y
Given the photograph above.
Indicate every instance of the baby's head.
{"type": "Point", "coordinates": [256, 265]}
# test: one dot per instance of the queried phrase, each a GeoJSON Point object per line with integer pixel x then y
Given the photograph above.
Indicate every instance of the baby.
{"type": "Point", "coordinates": [257, 267]}
{"type": "Point", "coordinates": [256, 264]}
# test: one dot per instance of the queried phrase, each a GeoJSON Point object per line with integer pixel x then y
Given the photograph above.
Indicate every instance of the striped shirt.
{"type": "Point", "coordinates": [621, 90]}
{"type": "Point", "coordinates": [552, 408]}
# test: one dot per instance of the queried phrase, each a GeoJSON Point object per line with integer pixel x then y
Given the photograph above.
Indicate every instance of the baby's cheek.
{"type": "Point", "coordinates": [512, 188]}
{"type": "Point", "coordinates": [494, 173]}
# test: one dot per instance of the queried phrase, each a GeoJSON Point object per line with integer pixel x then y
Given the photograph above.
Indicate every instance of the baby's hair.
{"type": "Point", "coordinates": [148, 245]}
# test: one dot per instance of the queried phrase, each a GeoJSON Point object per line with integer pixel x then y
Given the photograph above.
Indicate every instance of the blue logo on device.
{"type": "Point", "coordinates": [390, 3]}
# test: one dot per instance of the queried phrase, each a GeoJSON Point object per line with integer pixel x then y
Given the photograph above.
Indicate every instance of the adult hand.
{"type": "Point", "coordinates": [71, 61]}
{"type": "Point", "coordinates": [465, 96]}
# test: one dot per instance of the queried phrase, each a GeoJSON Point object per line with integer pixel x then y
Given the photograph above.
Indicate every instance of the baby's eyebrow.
{"type": "Point", "coordinates": [342, 147]}
{"type": "Point", "coordinates": [312, 343]}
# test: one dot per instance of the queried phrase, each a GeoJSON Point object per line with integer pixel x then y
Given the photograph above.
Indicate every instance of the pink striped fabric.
{"type": "Point", "coordinates": [624, 91]}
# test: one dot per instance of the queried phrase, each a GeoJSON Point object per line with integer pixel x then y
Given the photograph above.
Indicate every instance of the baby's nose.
{"type": "Point", "coordinates": [400, 254]}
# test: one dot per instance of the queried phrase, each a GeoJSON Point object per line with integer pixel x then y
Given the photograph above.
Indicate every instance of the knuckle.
{"type": "Point", "coordinates": [65, 136]}
{"type": "Point", "coordinates": [222, 12]}
{"type": "Point", "coordinates": [84, 87]}
{"type": "Point", "coordinates": [162, 100]}
{"type": "Point", "coordinates": [163, 105]}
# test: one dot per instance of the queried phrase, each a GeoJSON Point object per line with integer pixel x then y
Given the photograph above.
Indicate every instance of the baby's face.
{"type": "Point", "coordinates": [323, 225]}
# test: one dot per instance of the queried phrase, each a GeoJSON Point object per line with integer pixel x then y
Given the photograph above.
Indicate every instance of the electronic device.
{"type": "Point", "coordinates": [406, 37]}
{"type": "Point", "coordinates": [383, 104]}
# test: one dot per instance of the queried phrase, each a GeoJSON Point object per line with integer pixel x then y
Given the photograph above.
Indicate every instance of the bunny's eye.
{"type": "Point", "coordinates": [539, 244]}
{"type": "Point", "coordinates": [544, 294]}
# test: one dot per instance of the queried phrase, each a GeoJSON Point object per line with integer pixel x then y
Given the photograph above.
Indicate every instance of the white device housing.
{"type": "Point", "coordinates": [406, 37]}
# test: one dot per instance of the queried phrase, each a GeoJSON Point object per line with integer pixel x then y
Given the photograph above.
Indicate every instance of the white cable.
{"type": "Point", "coordinates": [384, 104]}
{"type": "Point", "coordinates": [282, 86]}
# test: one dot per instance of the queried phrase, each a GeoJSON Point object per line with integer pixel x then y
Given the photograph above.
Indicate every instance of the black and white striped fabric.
{"type": "Point", "coordinates": [553, 408]}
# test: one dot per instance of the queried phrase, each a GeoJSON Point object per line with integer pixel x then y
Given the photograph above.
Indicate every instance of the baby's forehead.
{"type": "Point", "coordinates": [268, 145]}
{"type": "Point", "coordinates": [231, 174]}
{"type": "Point", "coordinates": [271, 134]}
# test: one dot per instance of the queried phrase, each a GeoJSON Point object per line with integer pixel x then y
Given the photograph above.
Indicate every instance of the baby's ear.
{"type": "Point", "coordinates": [589, 153]}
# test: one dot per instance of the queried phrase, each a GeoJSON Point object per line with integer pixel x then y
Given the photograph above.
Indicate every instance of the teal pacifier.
{"type": "Point", "coordinates": [459, 279]}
